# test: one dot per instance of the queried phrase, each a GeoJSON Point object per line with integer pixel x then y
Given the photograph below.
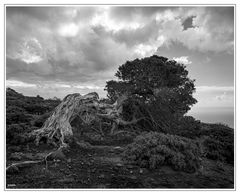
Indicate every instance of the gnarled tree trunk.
{"type": "Point", "coordinates": [57, 129]}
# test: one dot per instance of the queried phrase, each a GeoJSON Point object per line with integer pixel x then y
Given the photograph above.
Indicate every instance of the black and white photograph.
{"type": "Point", "coordinates": [119, 97]}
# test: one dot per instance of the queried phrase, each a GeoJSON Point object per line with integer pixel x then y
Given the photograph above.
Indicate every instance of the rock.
{"type": "Point", "coordinates": [16, 156]}
{"type": "Point", "coordinates": [56, 155]}
{"type": "Point", "coordinates": [143, 170]}
{"type": "Point", "coordinates": [119, 165]}
{"type": "Point", "coordinates": [12, 169]}
{"type": "Point", "coordinates": [69, 160]}
{"type": "Point", "coordinates": [118, 149]}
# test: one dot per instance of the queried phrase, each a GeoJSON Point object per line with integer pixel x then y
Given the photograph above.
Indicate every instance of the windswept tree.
{"type": "Point", "coordinates": [147, 90]}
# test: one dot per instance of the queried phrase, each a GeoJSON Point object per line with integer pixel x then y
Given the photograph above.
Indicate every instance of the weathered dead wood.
{"type": "Point", "coordinates": [13, 168]}
{"type": "Point", "coordinates": [57, 129]}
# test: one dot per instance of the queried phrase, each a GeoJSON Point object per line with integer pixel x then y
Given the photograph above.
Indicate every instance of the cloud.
{"type": "Point", "coordinates": [211, 30]}
{"type": "Point", "coordinates": [182, 60]}
{"type": "Point", "coordinates": [87, 87]}
{"type": "Point", "coordinates": [66, 52]}
{"type": "Point", "coordinates": [51, 89]}
{"type": "Point", "coordinates": [85, 45]}
{"type": "Point", "coordinates": [68, 30]}
{"type": "Point", "coordinates": [139, 13]}
{"type": "Point", "coordinates": [29, 51]}
{"type": "Point", "coordinates": [214, 96]}
{"type": "Point", "coordinates": [215, 88]}
{"type": "Point", "coordinates": [12, 83]}
{"type": "Point", "coordinates": [222, 96]}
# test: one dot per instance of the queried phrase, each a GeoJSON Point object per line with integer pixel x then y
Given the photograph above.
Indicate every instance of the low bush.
{"type": "Point", "coordinates": [218, 150]}
{"type": "Point", "coordinates": [152, 150]}
{"type": "Point", "coordinates": [17, 117]}
{"type": "Point", "coordinates": [186, 126]}
{"type": "Point", "coordinates": [17, 133]}
{"type": "Point", "coordinates": [217, 139]}
{"type": "Point", "coordinates": [218, 142]}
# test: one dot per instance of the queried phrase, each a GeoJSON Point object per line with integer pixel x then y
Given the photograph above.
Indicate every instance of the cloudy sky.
{"type": "Point", "coordinates": [54, 51]}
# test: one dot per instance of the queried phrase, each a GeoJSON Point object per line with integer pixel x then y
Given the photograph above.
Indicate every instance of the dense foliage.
{"type": "Point", "coordinates": [24, 114]}
{"type": "Point", "coordinates": [218, 142]}
{"type": "Point", "coordinates": [155, 77]}
{"type": "Point", "coordinates": [153, 150]}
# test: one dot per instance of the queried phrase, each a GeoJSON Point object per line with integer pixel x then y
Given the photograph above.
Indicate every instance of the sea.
{"type": "Point", "coordinates": [224, 115]}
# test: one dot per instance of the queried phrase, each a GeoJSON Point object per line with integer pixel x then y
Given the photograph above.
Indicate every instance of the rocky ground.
{"type": "Point", "coordinates": [101, 166]}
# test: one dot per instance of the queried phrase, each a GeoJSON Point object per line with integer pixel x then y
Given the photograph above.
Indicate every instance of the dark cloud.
{"type": "Point", "coordinates": [87, 44]}
{"type": "Point", "coordinates": [51, 14]}
{"type": "Point", "coordinates": [133, 13]}
{"type": "Point", "coordinates": [40, 13]}
{"type": "Point", "coordinates": [139, 35]}
{"type": "Point", "coordinates": [188, 23]}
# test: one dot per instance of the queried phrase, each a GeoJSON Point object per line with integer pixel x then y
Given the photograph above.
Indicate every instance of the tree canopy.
{"type": "Point", "coordinates": [155, 78]}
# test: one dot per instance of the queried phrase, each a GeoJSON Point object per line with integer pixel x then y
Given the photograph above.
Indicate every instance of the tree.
{"type": "Point", "coordinates": [152, 79]}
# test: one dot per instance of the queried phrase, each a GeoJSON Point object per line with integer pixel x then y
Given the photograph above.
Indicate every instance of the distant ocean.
{"type": "Point", "coordinates": [214, 115]}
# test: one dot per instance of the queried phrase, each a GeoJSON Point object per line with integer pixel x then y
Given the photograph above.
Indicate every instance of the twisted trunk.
{"type": "Point", "coordinates": [57, 129]}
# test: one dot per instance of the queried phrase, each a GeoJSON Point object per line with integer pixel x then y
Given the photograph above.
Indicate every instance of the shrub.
{"type": "Point", "coordinates": [218, 150]}
{"type": "Point", "coordinates": [152, 150]}
{"type": "Point", "coordinates": [16, 133]}
{"type": "Point", "coordinates": [186, 126]}
{"type": "Point", "coordinates": [218, 142]}
{"type": "Point", "coordinates": [17, 117]}
{"type": "Point", "coordinates": [217, 131]}
{"type": "Point", "coordinates": [217, 139]}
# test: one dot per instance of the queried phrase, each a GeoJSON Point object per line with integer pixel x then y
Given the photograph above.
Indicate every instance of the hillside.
{"type": "Point", "coordinates": [99, 161]}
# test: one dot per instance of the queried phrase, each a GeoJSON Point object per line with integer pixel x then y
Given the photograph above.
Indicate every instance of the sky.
{"type": "Point", "coordinates": [54, 51]}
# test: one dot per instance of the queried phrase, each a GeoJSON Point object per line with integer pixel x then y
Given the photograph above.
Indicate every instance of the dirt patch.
{"type": "Point", "coordinates": [102, 167]}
